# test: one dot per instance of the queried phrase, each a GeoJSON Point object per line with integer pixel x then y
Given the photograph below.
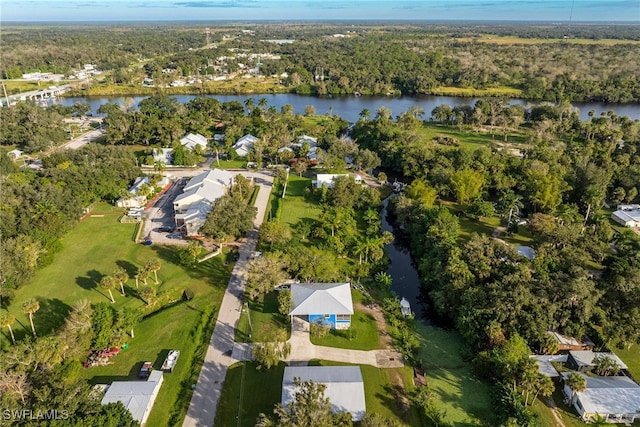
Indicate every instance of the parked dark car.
{"type": "Point", "coordinates": [147, 243]}
{"type": "Point", "coordinates": [174, 236]}
{"type": "Point", "coordinates": [146, 369]}
{"type": "Point", "coordinates": [236, 256]}
{"type": "Point", "coordinates": [165, 229]}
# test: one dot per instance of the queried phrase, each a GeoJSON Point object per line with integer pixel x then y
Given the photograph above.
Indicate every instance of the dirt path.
{"type": "Point", "coordinates": [376, 311]}
{"type": "Point", "coordinates": [552, 405]}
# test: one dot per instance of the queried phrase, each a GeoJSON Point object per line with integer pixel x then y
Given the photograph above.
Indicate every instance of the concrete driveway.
{"type": "Point", "coordinates": [204, 402]}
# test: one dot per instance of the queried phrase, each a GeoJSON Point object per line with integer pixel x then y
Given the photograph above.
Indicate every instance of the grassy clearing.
{"type": "Point", "coordinates": [465, 398]}
{"type": "Point", "coordinates": [296, 208]}
{"type": "Point", "coordinates": [473, 92]}
{"type": "Point", "coordinates": [97, 246]}
{"type": "Point", "coordinates": [247, 392]}
{"type": "Point", "coordinates": [471, 139]}
{"type": "Point", "coordinates": [229, 164]}
{"type": "Point", "coordinates": [264, 319]}
{"type": "Point", "coordinates": [631, 357]}
{"type": "Point", "coordinates": [18, 86]}
{"type": "Point", "coordinates": [385, 391]}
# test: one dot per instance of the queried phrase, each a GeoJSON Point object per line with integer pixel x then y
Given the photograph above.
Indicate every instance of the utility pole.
{"type": "Point", "coordinates": [5, 94]}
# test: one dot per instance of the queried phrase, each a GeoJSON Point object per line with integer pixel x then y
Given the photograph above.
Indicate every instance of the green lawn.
{"type": "Point", "coordinates": [631, 357]}
{"type": "Point", "coordinates": [247, 392]}
{"type": "Point", "coordinates": [264, 318]}
{"type": "Point", "coordinates": [229, 164]}
{"type": "Point", "coordinates": [568, 415]}
{"type": "Point", "coordinates": [97, 246]}
{"type": "Point", "coordinates": [386, 391]}
{"type": "Point", "coordinates": [468, 138]}
{"type": "Point", "coordinates": [295, 207]}
{"type": "Point", "coordinates": [465, 398]}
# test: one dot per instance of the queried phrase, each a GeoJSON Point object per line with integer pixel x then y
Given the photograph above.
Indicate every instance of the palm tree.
{"type": "Point", "coordinates": [153, 265]}
{"type": "Point", "coordinates": [121, 276]}
{"type": "Point", "coordinates": [108, 283]}
{"type": "Point", "coordinates": [577, 383]}
{"type": "Point", "coordinates": [143, 274]}
{"type": "Point", "coordinates": [6, 320]}
{"type": "Point", "coordinates": [365, 114]}
{"type": "Point", "coordinates": [29, 307]}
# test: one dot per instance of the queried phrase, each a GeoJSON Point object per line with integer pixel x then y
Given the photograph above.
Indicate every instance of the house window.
{"type": "Point", "coordinates": [343, 317]}
{"type": "Point", "coordinates": [326, 316]}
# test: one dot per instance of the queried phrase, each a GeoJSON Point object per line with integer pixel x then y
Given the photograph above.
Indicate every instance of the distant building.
{"type": "Point", "coordinates": [344, 387]}
{"type": "Point", "coordinates": [15, 154]}
{"type": "Point", "coordinates": [526, 251]}
{"type": "Point", "coordinates": [192, 141]}
{"type": "Point", "coordinates": [627, 215]}
{"type": "Point", "coordinates": [163, 155]}
{"type": "Point", "coordinates": [328, 179]}
{"type": "Point", "coordinates": [244, 145]}
{"type": "Point", "coordinates": [570, 343]}
{"type": "Point", "coordinates": [137, 396]}
{"type": "Point", "coordinates": [582, 360]}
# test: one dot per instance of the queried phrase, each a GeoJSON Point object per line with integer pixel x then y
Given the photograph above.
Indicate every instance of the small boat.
{"type": "Point", "coordinates": [405, 307]}
{"type": "Point", "coordinates": [170, 361]}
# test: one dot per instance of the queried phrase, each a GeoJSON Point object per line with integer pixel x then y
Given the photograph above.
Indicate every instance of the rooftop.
{"type": "Point", "coordinates": [321, 298]}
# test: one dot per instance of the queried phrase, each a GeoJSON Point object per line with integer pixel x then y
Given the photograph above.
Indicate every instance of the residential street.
{"type": "Point", "coordinates": [204, 402]}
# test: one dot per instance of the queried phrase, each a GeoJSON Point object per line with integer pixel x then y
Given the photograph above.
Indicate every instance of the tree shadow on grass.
{"type": "Point", "coordinates": [51, 315]}
{"type": "Point", "coordinates": [128, 267]}
{"type": "Point", "coordinates": [90, 281]}
{"type": "Point", "coordinates": [395, 399]}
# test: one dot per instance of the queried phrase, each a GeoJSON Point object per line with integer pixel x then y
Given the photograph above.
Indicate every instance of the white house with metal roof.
{"type": "Point", "coordinates": [192, 206]}
{"type": "Point", "coordinates": [324, 303]}
{"type": "Point", "coordinates": [329, 178]}
{"type": "Point", "coordinates": [192, 141]}
{"type": "Point", "coordinates": [614, 398]}
{"type": "Point", "coordinates": [582, 360]}
{"type": "Point", "coordinates": [344, 387]}
{"type": "Point", "coordinates": [137, 396]}
{"type": "Point", "coordinates": [244, 145]}
{"type": "Point", "coordinates": [627, 215]}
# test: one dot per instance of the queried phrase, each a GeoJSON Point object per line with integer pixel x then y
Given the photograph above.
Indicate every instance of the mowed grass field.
{"type": "Point", "coordinates": [471, 139]}
{"type": "Point", "coordinates": [96, 247]}
{"type": "Point", "coordinates": [295, 206]}
{"type": "Point", "coordinates": [466, 400]}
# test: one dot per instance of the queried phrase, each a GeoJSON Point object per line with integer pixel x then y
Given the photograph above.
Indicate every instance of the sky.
{"type": "Point", "coordinates": [243, 10]}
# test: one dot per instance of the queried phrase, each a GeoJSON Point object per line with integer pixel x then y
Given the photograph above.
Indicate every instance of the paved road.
{"type": "Point", "coordinates": [204, 402]}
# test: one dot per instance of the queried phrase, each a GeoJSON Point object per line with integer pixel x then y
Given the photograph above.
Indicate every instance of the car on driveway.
{"type": "Point", "coordinates": [174, 236]}
{"type": "Point", "coordinates": [236, 256]}
{"type": "Point", "coordinates": [146, 369]}
{"type": "Point", "coordinates": [165, 230]}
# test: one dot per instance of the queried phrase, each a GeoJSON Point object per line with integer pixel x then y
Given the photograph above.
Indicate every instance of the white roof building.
{"type": "Point", "coordinates": [344, 387]}
{"type": "Point", "coordinates": [544, 364]}
{"type": "Point", "coordinates": [318, 298]}
{"type": "Point", "coordinates": [15, 154]}
{"type": "Point", "coordinates": [137, 396]}
{"type": "Point", "coordinates": [627, 217]}
{"type": "Point", "coordinates": [192, 206]}
{"type": "Point", "coordinates": [163, 155]}
{"type": "Point", "coordinates": [244, 145]}
{"type": "Point", "coordinates": [526, 251]}
{"type": "Point", "coordinates": [192, 141]}
{"type": "Point", "coordinates": [583, 359]}
{"type": "Point", "coordinates": [328, 178]}
{"type": "Point", "coordinates": [615, 398]}
{"type": "Point", "coordinates": [313, 142]}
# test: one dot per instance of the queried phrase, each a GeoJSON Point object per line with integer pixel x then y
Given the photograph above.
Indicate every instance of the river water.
{"type": "Point", "coordinates": [406, 282]}
{"type": "Point", "coordinates": [350, 107]}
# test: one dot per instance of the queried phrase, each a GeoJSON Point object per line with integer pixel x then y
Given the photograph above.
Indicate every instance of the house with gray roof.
{"type": "Point", "coordinates": [344, 387]}
{"type": "Point", "coordinates": [323, 303]}
{"type": "Point", "coordinates": [582, 360]}
{"type": "Point", "coordinates": [192, 141]}
{"type": "Point", "coordinates": [192, 206]}
{"type": "Point", "coordinates": [244, 145]}
{"type": "Point", "coordinates": [614, 398]}
{"type": "Point", "coordinates": [137, 396]}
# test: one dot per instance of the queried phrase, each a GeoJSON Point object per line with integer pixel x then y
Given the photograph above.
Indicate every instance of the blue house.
{"type": "Point", "coordinates": [323, 303]}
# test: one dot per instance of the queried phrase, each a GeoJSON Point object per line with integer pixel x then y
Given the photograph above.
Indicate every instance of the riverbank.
{"type": "Point", "coordinates": [266, 86]}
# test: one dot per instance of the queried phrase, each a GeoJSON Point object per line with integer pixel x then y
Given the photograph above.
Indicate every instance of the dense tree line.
{"type": "Point", "coordinates": [39, 207]}
{"type": "Point", "coordinates": [408, 59]}
{"type": "Point", "coordinates": [499, 300]}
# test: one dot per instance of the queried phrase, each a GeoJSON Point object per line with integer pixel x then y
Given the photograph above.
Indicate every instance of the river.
{"type": "Point", "coordinates": [406, 282]}
{"type": "Point", "coordinates": [350, 107]}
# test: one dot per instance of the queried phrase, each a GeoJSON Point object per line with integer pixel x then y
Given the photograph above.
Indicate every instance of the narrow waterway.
{"type": "Point", "coordinates": [406, 282]}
